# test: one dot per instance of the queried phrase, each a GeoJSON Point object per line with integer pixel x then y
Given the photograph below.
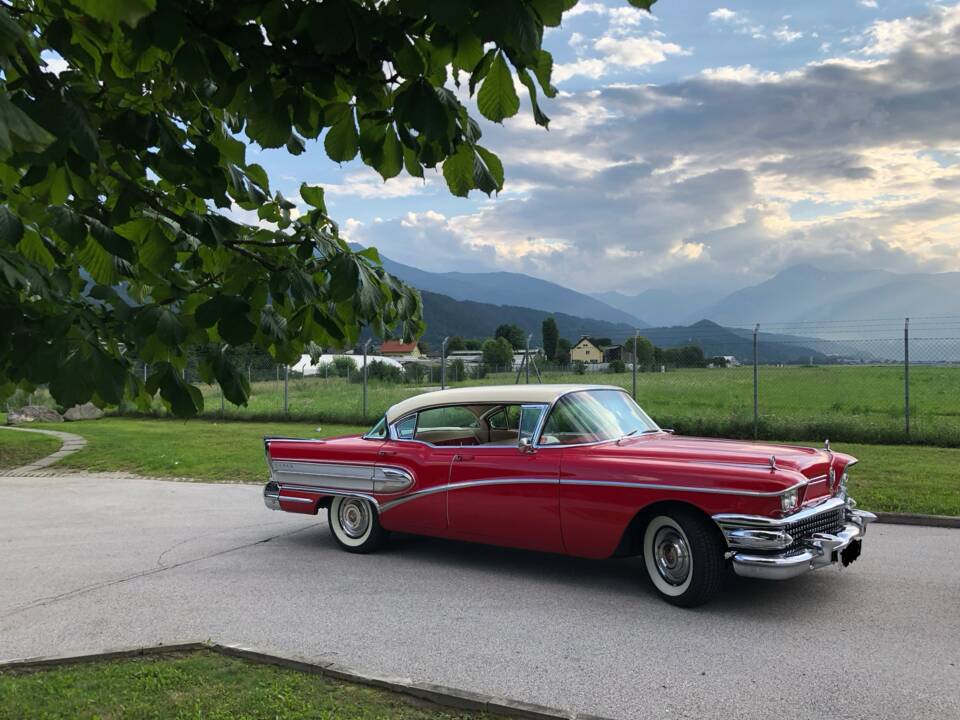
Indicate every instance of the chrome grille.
{"type": "Point", "coordinates": [831, 521]}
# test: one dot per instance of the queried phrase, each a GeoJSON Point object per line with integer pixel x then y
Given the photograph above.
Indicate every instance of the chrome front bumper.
{"type": "Point", "coordinates": [747, 535]}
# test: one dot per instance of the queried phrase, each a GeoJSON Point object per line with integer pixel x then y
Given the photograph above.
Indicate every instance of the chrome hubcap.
{"type": "Point", "coordinates": [354, 517]}
{"type": "Point", "coordinates": [672, 555]}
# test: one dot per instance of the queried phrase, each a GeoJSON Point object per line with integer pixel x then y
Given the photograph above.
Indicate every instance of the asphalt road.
{"type": "Point", "coordinates": [94, 563]}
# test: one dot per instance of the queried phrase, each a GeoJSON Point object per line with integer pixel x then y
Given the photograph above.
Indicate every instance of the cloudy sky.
{"type": "Point", "coordinates": [704, 147]}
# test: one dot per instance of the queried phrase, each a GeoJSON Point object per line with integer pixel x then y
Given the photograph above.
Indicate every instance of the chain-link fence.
{"type": "Point", "coordinates": [890, 381]}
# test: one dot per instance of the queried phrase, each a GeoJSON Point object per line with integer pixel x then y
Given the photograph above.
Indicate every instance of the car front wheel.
{"type": "Point", "coordinates": [355, 525]}
{"type": "Point", "coordinates": [684, 558]}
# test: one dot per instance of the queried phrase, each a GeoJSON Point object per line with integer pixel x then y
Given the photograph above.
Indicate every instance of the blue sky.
{"type": "Point", "coordinates": [705, 147]}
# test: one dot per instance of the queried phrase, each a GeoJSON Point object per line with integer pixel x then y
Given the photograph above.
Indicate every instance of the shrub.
{"type": "Point", "coordinates": [617, 366]}
{"type": "Point", "coordinates": [344, 366]}
{"type": "Point", "coordinates": [579, 367]}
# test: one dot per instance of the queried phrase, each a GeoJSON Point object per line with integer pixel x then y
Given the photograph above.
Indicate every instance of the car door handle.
{"type": "Point", "coordinates": [461, 458]}
{"type": "Point", "coordinates": [387, 453]}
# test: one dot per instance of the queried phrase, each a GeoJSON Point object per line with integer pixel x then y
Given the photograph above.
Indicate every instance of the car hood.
{"type": "Point", "coordinates": [810, 462]}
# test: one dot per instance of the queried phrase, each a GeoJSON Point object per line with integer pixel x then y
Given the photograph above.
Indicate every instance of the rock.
{"type": "Point", "coordinates": [33, 413]}
{"type": "Point", "coordinates": [87, 411]}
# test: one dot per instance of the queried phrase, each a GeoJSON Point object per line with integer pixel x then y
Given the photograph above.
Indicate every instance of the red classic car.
{"type": "Point", "coordinates": [580, 470]}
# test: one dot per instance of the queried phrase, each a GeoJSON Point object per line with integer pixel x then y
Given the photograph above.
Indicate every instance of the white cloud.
{"type": "Point", "coordinates": [368, 185]}
{"type": "Point", "coordinates": [592, 68]}
{"type": "Point", "coordinates": [785, 35]}
{"type": "Point", "coordinates": [741, 74]}
{"type": "Point", "coordinates": [636, 52]}
{"type": "Point", "coordinates": [724, 15]}
{"type": "Point", "coordinates": [872, 4]}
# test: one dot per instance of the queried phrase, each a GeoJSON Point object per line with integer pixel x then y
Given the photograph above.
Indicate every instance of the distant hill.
{"type": "Point", "coordinates": [508, 288]}
{"type": "Point", "coordinates": [806, 293]}
{"type": "Point", "coordinates": [661, 307]}
{"type": "Point", "coordinates": [445, 316]}
{"type": "Point", "coordinates": [717, 340]}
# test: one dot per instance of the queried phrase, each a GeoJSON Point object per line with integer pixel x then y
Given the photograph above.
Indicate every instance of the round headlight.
{"type": "Point", "coordinates": [789, 499]}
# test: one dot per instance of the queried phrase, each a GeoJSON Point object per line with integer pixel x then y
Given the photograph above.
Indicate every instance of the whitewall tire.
{"type": "Point", "coordinates": [683, 556]}
{"type": "Point", "coordinates": [355, 525]}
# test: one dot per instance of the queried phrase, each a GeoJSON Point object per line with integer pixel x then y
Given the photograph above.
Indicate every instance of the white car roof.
{"type": "Point", "coordinates": [487, 395]}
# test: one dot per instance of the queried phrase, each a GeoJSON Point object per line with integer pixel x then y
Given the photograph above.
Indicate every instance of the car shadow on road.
{"type": "Point", "coordinates": [612, 580]}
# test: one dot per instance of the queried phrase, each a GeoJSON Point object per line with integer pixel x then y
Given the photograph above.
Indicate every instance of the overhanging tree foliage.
{"type": "Point", "coordinates": [121, 176]}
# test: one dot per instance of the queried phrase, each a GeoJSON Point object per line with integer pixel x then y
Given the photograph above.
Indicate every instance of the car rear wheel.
{"type": "Point", "coordinates": [355, 525]}
{"type": "Point", "coordinates": [683, 557]}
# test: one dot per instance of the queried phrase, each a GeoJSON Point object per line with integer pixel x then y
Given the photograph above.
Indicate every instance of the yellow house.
{"type": "Point", "coordinates": [585, 351]}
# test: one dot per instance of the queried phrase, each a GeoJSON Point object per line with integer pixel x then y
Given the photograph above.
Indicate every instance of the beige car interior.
{"type": "Point", "coordinates": [488, 425]}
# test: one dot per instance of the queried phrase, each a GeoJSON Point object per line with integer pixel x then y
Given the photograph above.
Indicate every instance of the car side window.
{"type": "Point", "coordinates": [506, 418]}
{"type": "Point", "coordinates": [406, 427]}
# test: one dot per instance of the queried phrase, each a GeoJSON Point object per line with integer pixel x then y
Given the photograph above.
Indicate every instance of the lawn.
{"type": "Point", "coordinates": [196, 449]}
{"type": "Point", "coordinates": [899, 478]}
{"type": "Point", "coordinates": [22, 448]}
{"type": "Point", "coordinates": [854, 403]}
{"type": "Point", "coordinates": [200, 685]}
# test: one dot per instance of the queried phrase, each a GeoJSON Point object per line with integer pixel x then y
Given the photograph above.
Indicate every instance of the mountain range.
{"type": "Point", "coordinates": [804, 293]}
{"type": "Point", "coordinates": [515, 289]}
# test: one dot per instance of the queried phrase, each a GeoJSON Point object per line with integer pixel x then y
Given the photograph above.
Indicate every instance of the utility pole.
{"type": "Point", "coordinates": [906, 376]}
{"type": "Point", "coordinates": [443, 363]}
{"type": "Point", "coordinates": [366, 346]}
{"type": "Point", "coordinates": [756, 381]}
{"type": "Point", "coordinates": [526, 359]}
{"type": "Point", "coordinates": [636, 340]}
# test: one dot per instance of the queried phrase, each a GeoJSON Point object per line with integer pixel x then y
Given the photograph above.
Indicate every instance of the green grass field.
{"type": "Point", "coordinates": [851, 403]}
{"type": "Point", "coordinates": [22, 448]}
{"type": "Point", "coordinates": [901, 478]}
{"type": "Point", "coordinates": [200, 685]}
{"type": "Point", "coordinates": [196, 449]}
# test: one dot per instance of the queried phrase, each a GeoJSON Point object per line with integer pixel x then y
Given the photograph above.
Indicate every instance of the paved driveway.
{"type": "Point", "coordinates": [91, 563]}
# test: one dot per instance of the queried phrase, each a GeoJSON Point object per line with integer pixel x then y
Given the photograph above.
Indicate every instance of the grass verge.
{"type": "Point", "coordinates": [897, 478]}
{"type": "Point", "coordinates": [22, 448]}
{"type": "Point", "coordinates": [194, 449]}
{"type": "Point", "coordinates": [200, 685]}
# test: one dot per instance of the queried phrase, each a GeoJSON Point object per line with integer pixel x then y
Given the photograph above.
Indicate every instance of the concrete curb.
{"type": "Point", "coordinates": [70, 444]}
{"type": "Point", "coordinates": [944, 521]}
{"type": "Point", "coordinates": [437, 694]}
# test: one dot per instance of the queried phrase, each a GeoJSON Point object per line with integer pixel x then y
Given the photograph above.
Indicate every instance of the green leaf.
{"type": "Point", "coordinates": [170, 330]}
{"type": "Point", "coordinates": [67, 224]}
{"type": "Point", "coordinates": [111, 241]}
{"type": "Point", "coordinates": [114, 11]}
{"type": "Point", "coordinates": [271, 129]}
{"type": "Point", "coordinates": [33, 248]}
{"type": "Point", "coordinates": [185, 400]}
{"type": "Point", "coordinates": [458, 171]}
{"type": "Point", "coordinates": [15, 123]}
{"type": "Point", "coordinates": [233, 382]}
{"type": "Point", "coordinates": [642, 4]}
{"type": "Point", "coordinates": [313, 196]}
{"type": "Point", "coordinates": [10, 33]}
{"type": "Point", "coordinates": [497, 98]}
{"type": "Point", "coordinates": [550, 11]}
{"type": "Point", "coordinates": [543, 69]}
{"type": "Point", "coordinates": [11, 228]}
{"type": "Point", "coordinates": [538, 115]}
{"type": "Point", "coordinates": [98, 262]}
{"type": "Point", "coordinates": [493, 166]}
{"type": "Point", "coordinates": [411, 162]}
{"type": "Point", "coordinates": [235, 326]}
{"type": "Point", "coordinates": [418, 106]}
{"type": "Point", "coordinates": [391, 161]}
{"type": "Point", "coordinates": [342, 141]}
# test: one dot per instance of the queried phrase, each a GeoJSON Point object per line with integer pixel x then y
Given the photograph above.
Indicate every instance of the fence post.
{"type": "Point", "coordinates": [222, 406]}
{"type": "Point", "coordinates": [756, 381]}
{"type": "Point", "coordinates": [366, 345]}
{"type": "Point", "coordinates": [443, 363]}
{"type": "Point", "coordinates": [286, 382]}
{"type": "Point", "coordinates": [526, 359]}
{"type": "Point", "coordinates": [636, 339]}
{"type": "Point", "coordinates": [906, 376]}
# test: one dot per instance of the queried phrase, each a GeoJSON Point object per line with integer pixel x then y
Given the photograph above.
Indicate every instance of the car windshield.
{"type": "Point", "coordinates": [593, 416]}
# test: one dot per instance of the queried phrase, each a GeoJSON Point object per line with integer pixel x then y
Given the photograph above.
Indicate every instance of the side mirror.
{"type": "Point", "coordinates": [526, 446]}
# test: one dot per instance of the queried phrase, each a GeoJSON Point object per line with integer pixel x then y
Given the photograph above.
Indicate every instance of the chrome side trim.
{"type": "Point", "coordinates": [466, 484]}
{"type": "Point", "coordinates": [681, 488]}
{"type": "Point", "coordinates": [758, 539]}
{"type": "Point", "coordinates": [287, 498]}
{"type": "Point", "coordinates": [353, 477]}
